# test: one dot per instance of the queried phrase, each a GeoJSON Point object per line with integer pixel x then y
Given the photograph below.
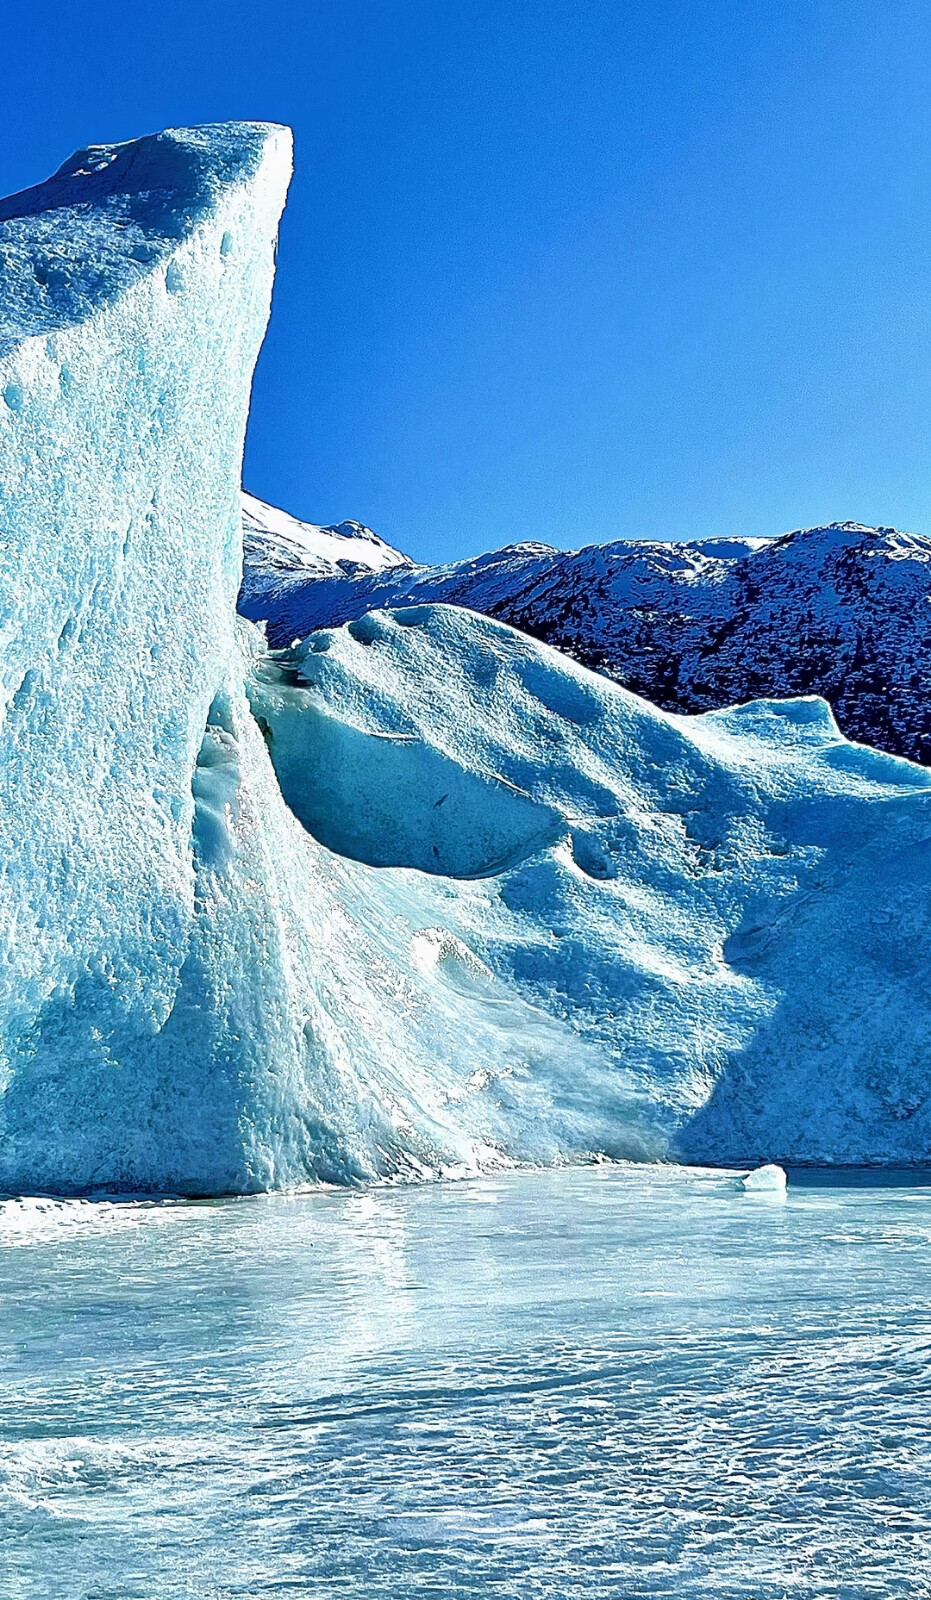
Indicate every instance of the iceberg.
{"type": "Point", "coordinates": [766, 1180]}
{"type": "Point", "coordinates": [414, 896]}
{"type": "Point", "coordinates": [196, 996]}
{"type": "Point", "coordinates": [136, 288]}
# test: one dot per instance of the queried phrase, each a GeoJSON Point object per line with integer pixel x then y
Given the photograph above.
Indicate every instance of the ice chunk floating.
{"type": "Point", "coordinates": [418, 895]}
{"type": "Point", "coordinates": [769, 1180]}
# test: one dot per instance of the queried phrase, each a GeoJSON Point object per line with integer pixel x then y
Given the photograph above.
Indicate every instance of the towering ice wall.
{"type": "Point", "coordinates": [136, 288]}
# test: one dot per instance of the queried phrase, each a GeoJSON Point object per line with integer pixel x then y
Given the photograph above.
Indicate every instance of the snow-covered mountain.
{"type": "Point", "coordinates": [281, 554]}
{"type": "Point", "coordinates": [842, 611]}
{"type": "Point", "coordinates": [279, 551]}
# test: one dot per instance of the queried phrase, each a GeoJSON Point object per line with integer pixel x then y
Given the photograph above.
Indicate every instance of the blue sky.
{"type": "Point", "coordinates": [571, 271]}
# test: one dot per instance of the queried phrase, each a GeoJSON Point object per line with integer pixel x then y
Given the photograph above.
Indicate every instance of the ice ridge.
{"type": "Point", "coordinates": [136, 290]}
{"type": "Point", "coordinates": [726, 910]}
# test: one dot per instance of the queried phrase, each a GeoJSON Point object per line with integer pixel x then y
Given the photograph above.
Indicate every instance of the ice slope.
{"type": "Point", "coordinates": [280, 553]}
{"type": "Point", "coordinates": [730, 911]}
{"type": "Point", "coordinates": [842, 611]}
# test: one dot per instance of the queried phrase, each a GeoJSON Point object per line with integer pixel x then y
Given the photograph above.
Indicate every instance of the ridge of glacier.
{"type": "Point", "coordinates": [419, 895]}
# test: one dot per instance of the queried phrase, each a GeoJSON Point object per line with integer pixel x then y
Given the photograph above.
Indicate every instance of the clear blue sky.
{"type": "Point", "coordinates": [567, 271]}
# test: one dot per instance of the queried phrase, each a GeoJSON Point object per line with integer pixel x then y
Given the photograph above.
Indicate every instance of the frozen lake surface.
{"type": "Point", "coordinates": [610, 1381]}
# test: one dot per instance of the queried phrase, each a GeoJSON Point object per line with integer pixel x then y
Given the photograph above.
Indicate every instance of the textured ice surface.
{"type": "Point", "coordinates": [728, 911]}
{"type": "Point", "coordinates": [136, 288]}
{"type": "Point", "coordinates": [504, 912]}
{"type": "Point", "coordinates": [600, 1384]}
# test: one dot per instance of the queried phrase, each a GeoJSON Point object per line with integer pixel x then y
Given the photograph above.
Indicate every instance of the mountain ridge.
{"type": "Point", "coordinates": [842, 610]}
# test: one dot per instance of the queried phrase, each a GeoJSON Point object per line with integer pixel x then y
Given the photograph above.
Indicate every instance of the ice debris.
{"type": "Point", "coordinates": [769, 1179]}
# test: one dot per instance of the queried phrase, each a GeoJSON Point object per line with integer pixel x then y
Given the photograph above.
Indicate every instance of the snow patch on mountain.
{"type": "Point", "coordinates": [280, 552]}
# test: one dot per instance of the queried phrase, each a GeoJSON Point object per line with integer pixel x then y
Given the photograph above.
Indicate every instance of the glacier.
{"type": "Point", "coordinates": [727, 910]}
{"type": "Point", "coordinates": [414, 896]}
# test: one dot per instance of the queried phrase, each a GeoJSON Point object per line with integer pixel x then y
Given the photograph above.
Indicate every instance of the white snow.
{"type": "Point", "coordinates": [316, 548]}
{"type": "Point", "coordinates": [281, 552]}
